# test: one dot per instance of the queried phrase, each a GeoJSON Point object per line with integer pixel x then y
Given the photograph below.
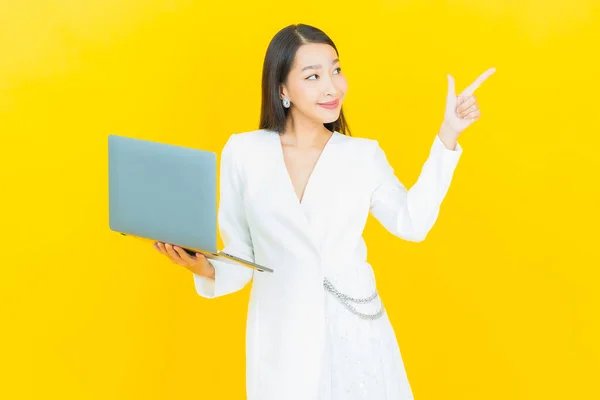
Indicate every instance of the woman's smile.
{"type": "Point", "coordinates": [332, 105]}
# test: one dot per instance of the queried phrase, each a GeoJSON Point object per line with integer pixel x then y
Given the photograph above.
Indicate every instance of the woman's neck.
{"type": "Point", "coordinates": [305, 134]}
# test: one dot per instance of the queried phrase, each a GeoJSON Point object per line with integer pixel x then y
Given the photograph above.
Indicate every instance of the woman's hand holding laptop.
{"type": "Point", "coordinates": [198, 264]}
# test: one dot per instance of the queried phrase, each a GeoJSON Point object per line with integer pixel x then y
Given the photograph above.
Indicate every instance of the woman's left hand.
{"type": "Point", "coordinates": [462, 110]}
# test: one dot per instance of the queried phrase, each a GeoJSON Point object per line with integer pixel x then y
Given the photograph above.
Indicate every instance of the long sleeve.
{"type": "Point", "coordinates": [410, 214]}
{"type": "Point", "coordinates": [233, 228]}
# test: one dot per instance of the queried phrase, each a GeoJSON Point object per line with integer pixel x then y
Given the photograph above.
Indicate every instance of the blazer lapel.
{"type": "Point", "coordinates": [317, 187]}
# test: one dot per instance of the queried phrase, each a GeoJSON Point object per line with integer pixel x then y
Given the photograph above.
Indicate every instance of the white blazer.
{"type": "Point", "coordinates": [261, 219]}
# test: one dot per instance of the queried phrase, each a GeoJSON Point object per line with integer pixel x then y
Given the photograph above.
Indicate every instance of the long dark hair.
{"type": "Point", "coordinates": [278, 62]}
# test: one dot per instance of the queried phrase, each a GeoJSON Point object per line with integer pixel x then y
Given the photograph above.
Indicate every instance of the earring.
{"type": "Point", "coordinates": [286, 102]}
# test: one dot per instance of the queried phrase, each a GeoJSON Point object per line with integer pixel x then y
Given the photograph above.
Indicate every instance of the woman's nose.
{"type": "Point", "coordinates": [330, 88]}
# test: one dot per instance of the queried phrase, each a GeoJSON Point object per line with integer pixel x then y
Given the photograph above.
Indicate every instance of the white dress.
{"type": "Point", "coordinates": [301, 341]}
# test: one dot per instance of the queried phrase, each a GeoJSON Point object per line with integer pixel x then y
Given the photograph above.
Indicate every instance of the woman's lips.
{"type": "Point", "coordinates": [331, 105]}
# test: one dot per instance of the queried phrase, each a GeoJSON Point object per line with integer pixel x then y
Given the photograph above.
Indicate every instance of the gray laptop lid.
{"type": "Point", "coordinates": [162, 192]}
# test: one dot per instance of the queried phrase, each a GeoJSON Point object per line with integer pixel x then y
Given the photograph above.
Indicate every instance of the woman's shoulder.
{"type": "Point", "coordinates": [247, 138]}
{"type": "Point", "coordinates": [358, 146]}
{"type": "Point", "coordinates": [355, 141]}
{"type": "Point", "coordinates": [248, 146]}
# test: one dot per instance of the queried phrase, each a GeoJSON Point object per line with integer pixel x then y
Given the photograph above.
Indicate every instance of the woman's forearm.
{"type": "Point", "coordinates": [448, 136]}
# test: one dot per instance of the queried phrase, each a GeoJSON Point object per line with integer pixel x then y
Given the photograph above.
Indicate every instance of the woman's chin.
{"type": "Point", "coordinates": [330, 116]}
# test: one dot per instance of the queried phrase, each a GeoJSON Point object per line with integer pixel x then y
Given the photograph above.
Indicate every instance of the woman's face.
{"type": "Point", "coordinates": [315, 78]}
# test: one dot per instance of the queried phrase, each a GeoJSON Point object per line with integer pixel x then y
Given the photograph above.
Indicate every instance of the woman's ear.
{"type": "Point", "coordinates": [282, 92]}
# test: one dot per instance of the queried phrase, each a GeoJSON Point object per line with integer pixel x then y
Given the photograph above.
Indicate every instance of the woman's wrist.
{"type": "Point", "coordinates": [204, 268]}
{"type": "Point", "coordinates": [448, 136]}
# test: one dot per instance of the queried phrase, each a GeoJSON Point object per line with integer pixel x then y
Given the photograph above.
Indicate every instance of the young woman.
{"type": "Point", "coordinates": [295, 196]}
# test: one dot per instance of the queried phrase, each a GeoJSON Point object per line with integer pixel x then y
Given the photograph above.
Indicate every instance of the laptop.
{"type": "Point", "coordinates": [166, 193]}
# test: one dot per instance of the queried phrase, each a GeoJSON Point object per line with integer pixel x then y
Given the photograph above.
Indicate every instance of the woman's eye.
{"type": "Point", "coordinates": [337, 69]}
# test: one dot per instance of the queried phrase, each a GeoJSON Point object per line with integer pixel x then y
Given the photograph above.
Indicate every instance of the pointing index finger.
{"type": "Point", "coordinates": [473, 86]}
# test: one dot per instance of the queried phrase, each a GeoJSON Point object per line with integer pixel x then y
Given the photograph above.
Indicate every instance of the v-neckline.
{"type": "Point", "coordinates": [302, 200]}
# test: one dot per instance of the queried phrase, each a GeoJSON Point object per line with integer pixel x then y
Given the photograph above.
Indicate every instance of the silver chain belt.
{"type": "Point", "coordinates": [345, 300]}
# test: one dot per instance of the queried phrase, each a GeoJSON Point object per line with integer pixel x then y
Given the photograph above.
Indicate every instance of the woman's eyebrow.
{"type": "Point", "coordinates": [318, 65]}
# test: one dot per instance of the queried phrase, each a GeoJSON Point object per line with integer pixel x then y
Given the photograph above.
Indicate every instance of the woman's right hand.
{"type": "Point", "coordinates": [197, 264]}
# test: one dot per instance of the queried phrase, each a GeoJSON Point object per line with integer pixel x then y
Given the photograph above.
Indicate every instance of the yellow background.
{"type": "Point", "coordinates": [500, 302]}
